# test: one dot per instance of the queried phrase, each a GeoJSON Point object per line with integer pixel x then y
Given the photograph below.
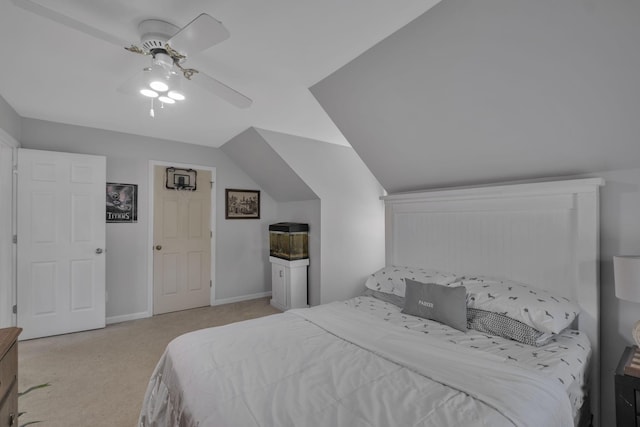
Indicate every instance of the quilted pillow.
{"type": "Point", "coordinates": [535, 307]}
{"type": "Point", "coordinates": [437, 302]}
{"type": "Point", "coordinates": [505, 327]}
{"type": "Point", "coordinates": [390, 280]}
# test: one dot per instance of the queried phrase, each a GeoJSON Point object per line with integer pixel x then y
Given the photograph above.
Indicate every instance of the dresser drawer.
{"type": "Point", "coordinates": [9, 407]}
{"type": "Point", "coordinates": [8, 370]}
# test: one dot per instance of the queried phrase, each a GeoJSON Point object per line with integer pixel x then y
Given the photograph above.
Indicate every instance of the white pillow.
{"type": "Point", "coordinates": [390, 280]}
{"type": "Point", "coordinates": [540, 309]}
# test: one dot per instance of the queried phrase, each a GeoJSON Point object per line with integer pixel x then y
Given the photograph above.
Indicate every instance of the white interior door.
{"type": "Point", "coordinates": [6, 236]}
{"type": "Point", "coordinates": [182, 244]}
{"type": "Point", "coordinates": [61, 242]}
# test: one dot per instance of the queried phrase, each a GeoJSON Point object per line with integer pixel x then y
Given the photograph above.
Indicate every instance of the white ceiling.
{"type": "Point", "coordinates": [277, 50]}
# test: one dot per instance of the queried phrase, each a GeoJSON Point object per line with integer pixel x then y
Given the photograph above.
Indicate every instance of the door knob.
{"type": "Point", "coordinates": [158, 247]}
{"type": "Point", "coordinates": [99, 251]}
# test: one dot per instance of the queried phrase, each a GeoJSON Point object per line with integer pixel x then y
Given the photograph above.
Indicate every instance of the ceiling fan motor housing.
{"type": "Point", "coordinates": [154, 35]}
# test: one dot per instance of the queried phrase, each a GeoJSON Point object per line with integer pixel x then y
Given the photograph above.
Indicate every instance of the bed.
{"type": "Point", "coordinates": [527, 358]}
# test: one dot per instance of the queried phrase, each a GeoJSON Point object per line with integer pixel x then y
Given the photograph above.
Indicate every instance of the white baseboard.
{"type": "Point", "coordinates": [242, 298]}
{"type": "Point", "coordinates": [144, 314]}
{"type": "Point", "coordinates": [127, 317]}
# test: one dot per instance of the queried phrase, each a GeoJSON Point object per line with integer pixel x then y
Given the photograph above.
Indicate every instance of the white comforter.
{"type": "Point", "coordinates": [334, 366]}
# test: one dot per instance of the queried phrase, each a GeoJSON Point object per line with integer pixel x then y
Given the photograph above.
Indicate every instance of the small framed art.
{"type": "Point", "coordinates": [242, 204]}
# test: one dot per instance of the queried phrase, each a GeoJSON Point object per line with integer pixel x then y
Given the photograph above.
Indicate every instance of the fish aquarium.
{"type": "Point", "coordinates": [289, 240]}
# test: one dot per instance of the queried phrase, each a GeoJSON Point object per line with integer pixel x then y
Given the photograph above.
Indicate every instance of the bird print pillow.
{"type": "Point", "coordinates": [535, 307]}
{"type": "Point", "coordinates": [391, 280]}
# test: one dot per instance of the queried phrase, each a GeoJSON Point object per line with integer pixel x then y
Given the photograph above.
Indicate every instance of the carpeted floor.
{"type": "Point", "coordinates": [98, 378]}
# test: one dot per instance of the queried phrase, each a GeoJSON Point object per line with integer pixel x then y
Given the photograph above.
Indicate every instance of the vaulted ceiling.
{"type": "Point", "coordinates": [63, 61]}
{"type": "Point", "coordinates": [468, 93]}
{"type": "Point", "coordinates": [476, 92]}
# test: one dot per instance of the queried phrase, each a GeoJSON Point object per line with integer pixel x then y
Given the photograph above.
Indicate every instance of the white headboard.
{"type": "Point", "coordinates": [544, 234]}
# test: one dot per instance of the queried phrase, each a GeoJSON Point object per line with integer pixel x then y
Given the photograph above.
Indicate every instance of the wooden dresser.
{"type": "Point", "coordinates": [9, 376]}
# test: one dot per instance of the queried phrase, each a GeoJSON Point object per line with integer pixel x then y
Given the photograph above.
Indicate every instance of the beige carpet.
{"type": "Point", "coordinates": [98, 378]}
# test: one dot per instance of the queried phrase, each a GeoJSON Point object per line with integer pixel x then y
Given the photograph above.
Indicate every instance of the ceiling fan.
{"type": "Point", "coordinates": [168, 46]}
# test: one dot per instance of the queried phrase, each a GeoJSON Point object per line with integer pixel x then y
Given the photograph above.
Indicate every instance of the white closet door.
{"type": "Point", "coordinates": [61, 242]}
{"type": "Point", "coordinates": [182, 245]}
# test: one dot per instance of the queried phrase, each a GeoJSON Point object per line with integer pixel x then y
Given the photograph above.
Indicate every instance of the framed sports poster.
{"type": "Point", "coordinates": [122, 202]}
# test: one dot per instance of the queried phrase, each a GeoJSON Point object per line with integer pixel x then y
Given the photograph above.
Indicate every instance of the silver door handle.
{"type": "Point", "coordinates": [99, 251]}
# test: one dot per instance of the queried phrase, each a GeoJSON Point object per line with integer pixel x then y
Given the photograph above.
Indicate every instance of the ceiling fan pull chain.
{"type": "Point", "coordinates": [151, 112]}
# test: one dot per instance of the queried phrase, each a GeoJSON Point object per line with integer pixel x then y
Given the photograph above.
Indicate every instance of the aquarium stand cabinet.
{"type": "Point", "coordinates": [288, 283]}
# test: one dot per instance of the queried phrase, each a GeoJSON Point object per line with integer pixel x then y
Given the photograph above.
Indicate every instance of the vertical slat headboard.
{"type": "Point", "coordinates": [544, 234]}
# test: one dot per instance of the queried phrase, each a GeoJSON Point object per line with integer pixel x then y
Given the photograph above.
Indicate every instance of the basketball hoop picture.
{"type": "Point", "coordinates": [180, 179]}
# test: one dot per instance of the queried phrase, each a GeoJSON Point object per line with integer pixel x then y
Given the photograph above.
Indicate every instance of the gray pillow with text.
{"type": "Point", "coordinates": [441, 303]}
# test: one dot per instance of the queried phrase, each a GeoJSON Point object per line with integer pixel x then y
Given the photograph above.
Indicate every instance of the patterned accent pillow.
{"type": "Point", "coordinates": [505, 327]}
{"type": "Point", "coordinates": [437, 302]}
{"type": "Point", "coordinates": [540, 309]}
{"type": "Point", "coordinates": [390, 280]}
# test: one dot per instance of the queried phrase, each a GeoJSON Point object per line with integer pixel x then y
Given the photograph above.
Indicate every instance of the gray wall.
{"type": "Point", "coordinates": [10, 121]}
{"type": "Point", "coordinates": [307, 212]}
{"type": "Point", "coordinates": [296, 201]}
{"type": "Point", "coordinates": [250, 151]}
{"type": "Point", "coordinates": [351, 212]}
{"type": "Point", "coordinates": [242, 266]}
{"type": "Point", "coordinates": [494, 90]}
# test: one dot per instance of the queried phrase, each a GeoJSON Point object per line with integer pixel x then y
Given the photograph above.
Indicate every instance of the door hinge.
{"type": "Point", "coordinates": [210, 233]}
{"type": "Point", "coordinates": [15, 309]}
{"type": "Point", "coordinates": [15, 238]}
{"type": "Point", "coordinates": [211, 283]}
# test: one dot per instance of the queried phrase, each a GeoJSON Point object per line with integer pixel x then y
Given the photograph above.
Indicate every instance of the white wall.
{"type": "Point", "coordinates": [352, 214]}
{"type": "Point", "coordinates": [242, 267]}
{"type": "Point", "coordinates": [486, 91]}
{"type": "Point", "coordinates": [308, 212]}
{"type": "Point", "coordinates": [619, 235]}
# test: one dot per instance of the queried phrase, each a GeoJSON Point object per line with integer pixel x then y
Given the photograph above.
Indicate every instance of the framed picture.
{"type": "Point", "coordinates": [122, 202]}
{"type": "Point", "coordinates": [242, 204]}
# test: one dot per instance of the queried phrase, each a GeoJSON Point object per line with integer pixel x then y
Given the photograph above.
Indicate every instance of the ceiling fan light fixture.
{"type": "Point", "coordinates": [159, 86]}
{"type": "Point", "coordinates": [149, 93]}
{"type": "Point", "coordinates": [176, 94]}
{"type": "Point", "coordinates": [169, 46]}
{"type": "Point", "coordinates": [166, 100]}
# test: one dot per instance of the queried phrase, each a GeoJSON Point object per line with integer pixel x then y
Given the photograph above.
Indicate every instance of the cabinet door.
{"type": "Point", "coordinates": [279, 286]}
{"type": "Point", "coordinates": [9, 409]}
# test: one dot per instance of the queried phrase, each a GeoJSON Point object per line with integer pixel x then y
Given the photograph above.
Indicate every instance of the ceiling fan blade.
{"type": "Point", "coordinates": [201, 33]}
{"type": "Point", "coordinates": [220, 89]}
{"type": "Point", "coordinates": [133, 85]}
{"type": "Point", "coordinates": [45, 12]}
